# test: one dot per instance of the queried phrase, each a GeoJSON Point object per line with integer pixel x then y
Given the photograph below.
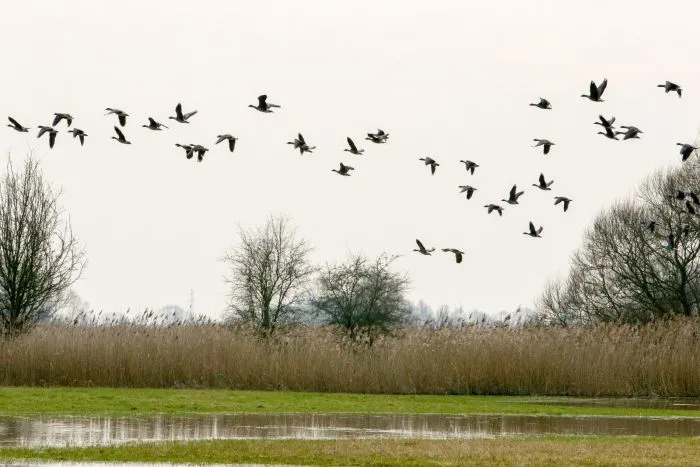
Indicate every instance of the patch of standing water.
{"type": "Point", "coordinates": [47, 431]}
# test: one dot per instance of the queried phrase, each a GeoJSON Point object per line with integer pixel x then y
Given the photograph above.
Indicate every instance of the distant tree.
{"type": "Point", "coordinates": [269, 274]}
{"type": "Point", "coordinates": [365, 298]}
{"type": "Point", "coordinates": [39, 256]}
{"type": "Point", "coordinates": [640, 260]}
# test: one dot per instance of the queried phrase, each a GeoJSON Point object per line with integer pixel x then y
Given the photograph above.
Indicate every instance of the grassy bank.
{"type": "Point", "coordinates": [89, 401]}
{"type": "Point", "coordinates": [539, 451]}
{"type": "Point", "coordinates": [655, 360]}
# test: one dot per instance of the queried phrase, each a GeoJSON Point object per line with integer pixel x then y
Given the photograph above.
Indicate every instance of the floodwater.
{"type": "Point", "coordinates": [44, 431]}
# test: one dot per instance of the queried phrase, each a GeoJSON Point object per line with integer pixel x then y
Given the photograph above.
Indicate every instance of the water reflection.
{"type": "Point", "coordinates": [42, 431]}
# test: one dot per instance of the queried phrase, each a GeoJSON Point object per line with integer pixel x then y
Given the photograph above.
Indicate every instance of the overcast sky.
{"type": "Point", "coordinates": [447, 79]}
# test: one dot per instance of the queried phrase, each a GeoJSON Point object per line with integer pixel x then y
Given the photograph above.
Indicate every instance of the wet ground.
{"type": "Point", "coordinates": [44, 431]}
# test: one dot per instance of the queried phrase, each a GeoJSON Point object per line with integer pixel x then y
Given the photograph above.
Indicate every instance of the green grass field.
{"type": "Point", "coordinates": [539, 451]}
{"type": "Point", "coordinates": [86, 401]}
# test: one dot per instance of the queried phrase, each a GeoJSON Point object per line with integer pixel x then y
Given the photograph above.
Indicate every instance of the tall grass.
{"type": "Point", "coordinates": [660, 359]}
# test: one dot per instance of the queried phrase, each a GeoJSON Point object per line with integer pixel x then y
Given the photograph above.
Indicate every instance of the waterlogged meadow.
{"type": "Point", "coordinates": [658, 360]}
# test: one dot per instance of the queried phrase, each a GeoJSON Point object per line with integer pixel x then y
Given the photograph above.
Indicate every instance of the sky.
{"type": "Point", "coordinates": [446, 79]}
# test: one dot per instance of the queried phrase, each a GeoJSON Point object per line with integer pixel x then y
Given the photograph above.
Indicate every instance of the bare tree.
{"type": "Point", "coordinates": [365, 298]}
{"type": "Point", "coordinates": [269, 275]}
{"type": "Point", "coordinates": [639, 261]}
{"type": "Point", "coordinates": [39, 256]}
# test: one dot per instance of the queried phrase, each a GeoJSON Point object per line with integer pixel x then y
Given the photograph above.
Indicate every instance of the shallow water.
{"type": "Point", "coordinates": [45, 431]}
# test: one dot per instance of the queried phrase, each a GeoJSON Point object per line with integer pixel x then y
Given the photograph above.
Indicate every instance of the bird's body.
{"type": "Point", "coordinates": [605, 123]}
{"type": "Point", "coordinates": [494, 207]}
{"type": "Point", "coordinates": [609, 133]}
{"type": "Point", "coordinates": [669, 86]}
{"type": "Point", "coordinates": [61, 116]}
{"type": "Point", "coordinates": [533, 232]}
{"type": "Point", "coordinates": [79, 133]}
{"type": "Point", "coordinates": [52, 134]}
{"type": "Point", "coordinates": [300, 144]}
{"type": "Point", "coordinates": [353, 149]}
{"type": "Point", "coordinates": [468, 189]}
{"type": "Point", "coordinates": [379, 137]}
{"type": "Point", "coordinates": [188, 149]}
{"type": "Point", "coordinates": [458, 254]}
{"type": "Point", "coordinates": [180, 117]}
{"type": "Point", "coordinates": [431, 162]}
{"type": "Point", "coordinates": [153, 125]}
{"type": "Point", "coordinates": [231, 141]}
{"type": "Point", "coordinates": [671, 242]}
{"type": "Point", "coordinates": [596, 92]}
{"type": "Point", "coordinates": [631, 132]}
{"type": "Point", "coordinates": [120, 136]}
{"type": "Point", "coordinates": [263, 105]}
{"type": "Point", "coordinates": [545, 143]}
{"type": "Point", "coordinates": [421, 249]}
{"type": "Point", "coordinates": [686, 150]}
{"type": "Point", "coordinates": [344, 170]}
{"type": "Point", "coordinates": [543, 184]}
{"type": "Point", "coordinates": [513, 195]}
{"type": "Point", "coordinates": [200, 150]}
{"type": "Point", "coordinates": [543, 104]}
{"type": "Point", "coordinates": [562, 199]}
{"type": "Point", "coordinates": [470, 166]}
{"type": "Point", "coordinates": [16, 126]}
{"type": "Point", "coordinates": [119, 113]}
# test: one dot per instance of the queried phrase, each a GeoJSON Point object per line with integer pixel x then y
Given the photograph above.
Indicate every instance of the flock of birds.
{"type": "Point", "coordinates": [595, 94]}
{"type": "Point", "coordinates": [380, 137]}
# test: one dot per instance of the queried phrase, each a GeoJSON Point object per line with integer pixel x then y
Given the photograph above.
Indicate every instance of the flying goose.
{"type": "Point", "coordinates": [179, 116]}
{"type": "Point", "coordinates": [543, 184]}
{"type": "Point", "coordinates": [458, 254]}
{"type": "Point", "coordinates": [609, 133]}
{"type": "Point", "coordinates": [605, 123]}
{"type": "Point", "coordinates": [79, 133]}
{"type": "Point", "coordinates": [669, 86]}
{"type": "Point", "coordinates": [60, 116]}
{"type": "Point", "coordinates": [491, 207]}
{"type": "Point", "coordinates": [344, 170]}
{"type": "Point", "coordinates": [153, 125]}
{"type": "Point", "coordinates": [431, 162]}
{"type": "Point", "coordinates": [513, 195]}
{"type": "Point", "coordinates": [562, 199]}
{"type": "Point", "coordinates": [547, 144]}
{"type": "Point", "coordinates": [421, 249]}
{"type": "Point", "coordinates": [631, 132]}
{"type": "Point", "coordinates": [200, 150]}
{"type": "Point", "coordinates": [596, 92]}
{"type": "Point", "coordinates": [469, 189]}
{"type": "Point", "coordinates": [379, 137]}
{"type": "Point", "coordinates": [119, 113]}
{"type": "Point", "coordinates": [16, 126]}
{"type": "Point", "coordinates": [231, 141]}
{"type": "Point", "coordinates": [300, 144]}
{"type": "Point", "coordinates": [188, 149]}
{"type": "Point", "coordinates": [543, 104]}
{"type": "Point", "coordinates": [470, 166]}
{"type": "Point", "coordinates": [686, 150]}
{"type": "Point", "coordinates": [52, 134]}
{"type": "Point", "coordinates": [120, 136]}
{"type": "Point", "coordinates": [534, 232]}
{"type": "Point", "coordinates": [263, 105]}
{"type": "Point", "coordinates": [353, 149]}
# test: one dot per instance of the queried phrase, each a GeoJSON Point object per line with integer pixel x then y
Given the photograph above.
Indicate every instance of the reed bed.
{"type": "Point", "coordinates": [661, 359]}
